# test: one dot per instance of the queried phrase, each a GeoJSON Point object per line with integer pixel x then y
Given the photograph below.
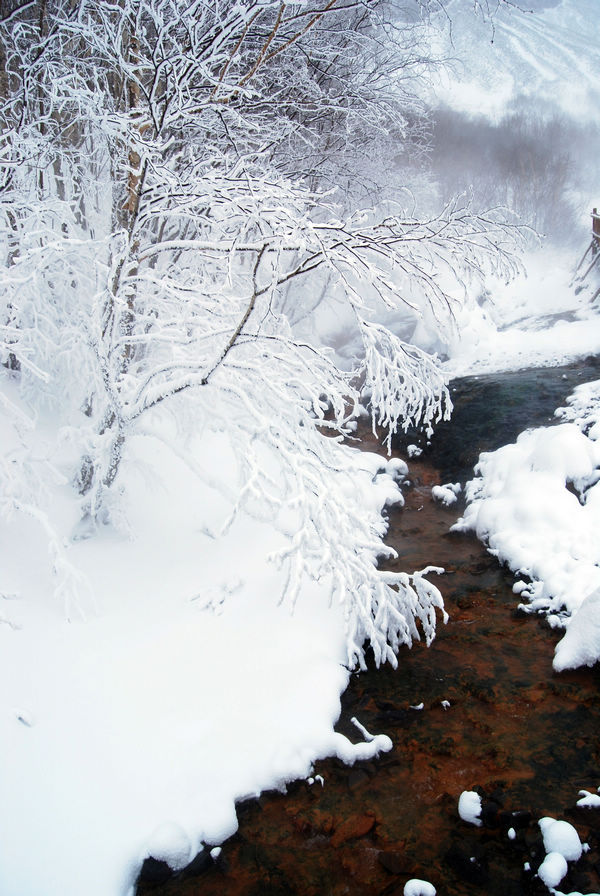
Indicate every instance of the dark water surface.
{"type": "Point", "coordinates": [490, 411]}
{"type": "Point", "coordinates": [527, 739]}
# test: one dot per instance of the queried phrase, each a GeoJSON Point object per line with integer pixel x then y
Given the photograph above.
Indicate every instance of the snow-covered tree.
{"type": "Point", "coordinates": [168, 170]}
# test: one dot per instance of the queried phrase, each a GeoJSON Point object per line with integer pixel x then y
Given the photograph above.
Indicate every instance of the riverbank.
{"type": "Point", "coordinates": [480, 709]}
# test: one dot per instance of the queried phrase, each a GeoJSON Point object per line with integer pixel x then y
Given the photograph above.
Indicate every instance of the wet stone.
{"type": "Point", "coordinates": [490, 813]}
{"type": "Point", "coordinates": [517, 819]}
{"type": "Point", "coordinates": [395, 862]}
{"type": "Point", "coordinates": [352, 828]}
{"type": "Point", "coordinates": [468, 864]}
{"type": "Point", "coordinates": [155, 871]}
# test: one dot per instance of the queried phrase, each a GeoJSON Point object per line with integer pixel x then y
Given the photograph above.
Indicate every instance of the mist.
{"type": "Point", "coordinates": [535, 161]}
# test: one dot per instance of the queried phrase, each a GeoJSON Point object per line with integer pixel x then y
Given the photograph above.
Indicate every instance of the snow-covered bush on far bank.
{"type": "Point", "coordinates": [536, 504]}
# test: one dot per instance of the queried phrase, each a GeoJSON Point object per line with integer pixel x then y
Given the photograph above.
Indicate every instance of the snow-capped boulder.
{"type": "Point", "coordinates": [561, 837]}
{"type": "Point", "coordinates": [469, 807]}
{"type": "Point", "coordinates": [553, 869]}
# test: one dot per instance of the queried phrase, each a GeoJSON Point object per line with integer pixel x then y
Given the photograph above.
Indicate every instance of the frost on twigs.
{"type": "Point", "coordinates": [168, 222]}
{"type": "Point", "coordinates": [24, 490]}
{"type": "Point", "coordinates": [406, 386]}
{"type": "Point", "coordinates": [324, 498]}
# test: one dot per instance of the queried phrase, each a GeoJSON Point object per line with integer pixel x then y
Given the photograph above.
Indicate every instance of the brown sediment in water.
{"type": "Point", "coordinates": [526, 738]}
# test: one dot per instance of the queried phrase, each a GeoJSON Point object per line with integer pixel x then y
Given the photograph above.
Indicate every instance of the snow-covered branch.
{"type": "Point", "coordinates": [181, 183]}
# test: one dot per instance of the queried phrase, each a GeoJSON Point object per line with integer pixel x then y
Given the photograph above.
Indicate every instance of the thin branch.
{"type": "Point", "coordinates": [265, 48]}
{"type": "Point", "coordinates": [233, 53]}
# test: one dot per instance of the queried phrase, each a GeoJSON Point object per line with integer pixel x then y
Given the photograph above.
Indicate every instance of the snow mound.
{"type": "Point", "coordinates": [589, 800]}
{"type": "Point", "coordinates": [170, 843]}
{"type": "Point", "coordinates": [580, 645]}
{"type": "Point", "coordinates": [446, 494]}
{"type": "Point", "coordinates": [553, 869]}
{"type": "Point", "coordinates": [416, 887]}
{"type": "Point", "coordinates": [469, 807]}
{"type": "Point", "coordinates": [560, 837]}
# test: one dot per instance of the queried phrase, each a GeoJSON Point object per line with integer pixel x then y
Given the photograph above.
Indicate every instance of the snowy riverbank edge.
{"type": "Point", "coordinates": [536, 504]}
{"type": "Point", "coordinates": [151, 677]}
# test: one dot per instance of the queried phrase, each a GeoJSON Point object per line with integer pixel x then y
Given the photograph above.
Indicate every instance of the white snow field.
{"type": "Point", "coordinates": [537, 320]}
{"type": "Point", "coordinates": [132, 719]}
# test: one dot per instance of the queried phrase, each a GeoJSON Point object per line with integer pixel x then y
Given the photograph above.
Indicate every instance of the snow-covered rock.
{"type": "Point", "coordinates": [589, 800]}
{"type": "Point", "coordinates": [446, 494]}
{"type": "Point", "coordinates": [553, 869]}
{"type": "Point", "coordinates": [469, 807]}
{"type": "Point", "coordinates": [580, 645]}
{"type": "Point", "coordinates": [169, 843]}
{"type": "Point", "coordinates": [561, 837]}
{"type": "Point", "coordinates": [416, 887]}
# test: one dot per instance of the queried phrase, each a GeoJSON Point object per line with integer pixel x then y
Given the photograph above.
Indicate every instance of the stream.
{"type": "Point", "coordinates": [494, 717]}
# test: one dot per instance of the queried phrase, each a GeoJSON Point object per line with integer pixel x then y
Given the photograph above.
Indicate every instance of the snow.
{"type": "Point", "coordinates": [560, 837]}
{"type": "Point", "coordinates": [186, 688]}
{"type": "Point", "coordinates": [589, 800]}
{"type": "Point", "coordinates": [446, 494]}
{"type": "Point", "coordinates": [170, 843]}
{"type": "Point", "coordinates": [416, 887]}
{"type": "Point", "coordinates": [469, 807]}
{"type": "Point", "coordinates": [536, 504]}
{"type": "Point", "coordinates": [536, 320]}
{"type": "Point", "coordinates": [551, 56]}
{"type": "Point", "coordinates": [574, 893]}
{"type": "Point", "coordinates": [580, 645]}
{"type": "Point", "coordinates": [553, 869]}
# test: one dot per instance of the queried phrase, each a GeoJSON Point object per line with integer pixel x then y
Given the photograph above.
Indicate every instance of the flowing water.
{"type": "Point", "coordinates": [494, 718]}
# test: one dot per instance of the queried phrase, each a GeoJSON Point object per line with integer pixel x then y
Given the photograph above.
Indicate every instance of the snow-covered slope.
{"type": "Point", "coordinates": [539, 319]}
{"type": "Point", "coordinates": [547, 51]}
{"type": "Point", "coordinates": [542, 59]}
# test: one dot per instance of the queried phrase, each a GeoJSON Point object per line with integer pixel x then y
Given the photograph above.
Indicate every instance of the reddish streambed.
{"type": "Point", "coordinates": [526, 738]}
